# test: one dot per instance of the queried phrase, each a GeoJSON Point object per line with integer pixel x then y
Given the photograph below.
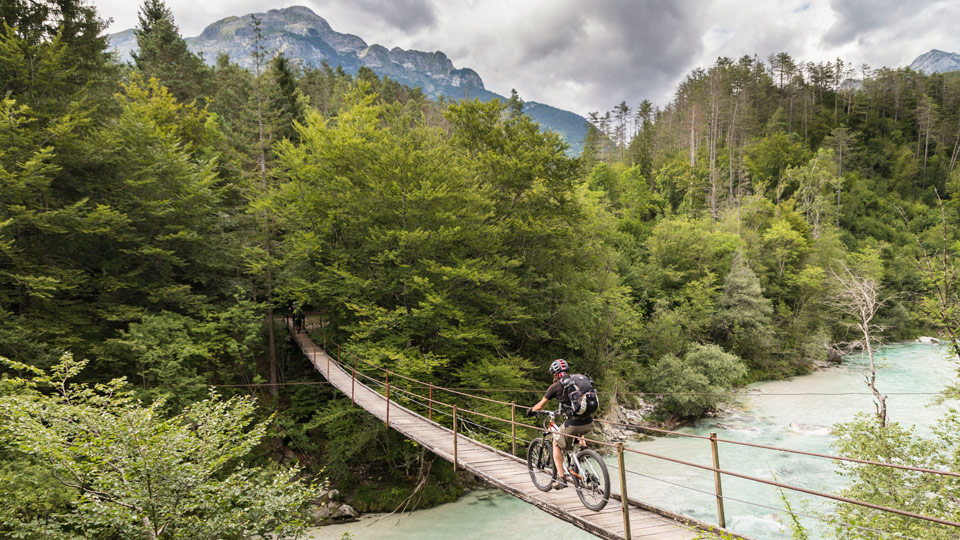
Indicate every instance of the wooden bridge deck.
{"type": "Point", "coordinates": [506, 471]}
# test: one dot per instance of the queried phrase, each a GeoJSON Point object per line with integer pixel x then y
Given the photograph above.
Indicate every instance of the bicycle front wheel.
{"type": "Point", "coordinates": [540, 464]}
{"type": "Point", "coordinates": [593, 484]}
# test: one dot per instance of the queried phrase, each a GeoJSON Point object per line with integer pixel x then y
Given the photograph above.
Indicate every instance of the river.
{"type": "Point", "coordinates": [796, 414]}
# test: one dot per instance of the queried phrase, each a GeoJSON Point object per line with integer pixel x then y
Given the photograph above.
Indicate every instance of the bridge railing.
{"type": "Point", "coordinates": [428, 397]}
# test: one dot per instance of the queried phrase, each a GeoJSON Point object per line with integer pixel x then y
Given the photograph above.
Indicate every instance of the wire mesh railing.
{"type": "Point", "coordinates": [451, 411]}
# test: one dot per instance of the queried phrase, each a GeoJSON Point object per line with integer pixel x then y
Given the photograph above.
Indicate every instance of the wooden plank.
{"type": "Point", "coordinates": [502, 467]}
{"type": "Point", "coordinates": [517, 480]}
{"type": "Point", "coordinates": [675, 534]}
{"type": "Point", "coordinates": [486, 462]}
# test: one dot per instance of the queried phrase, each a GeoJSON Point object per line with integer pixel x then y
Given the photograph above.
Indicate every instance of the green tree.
{"type": "Point", "coordinates": [50, 51]}
{"type": "Point", "coordinates": [744, 317]}
{"type": "Point", "coordinates": [770, 157]}
{"type": "Point", "coordinates": [137, 474]}
{"type": "Point", "coordinates": [514, 103]}
{"type": "Point", "coordinates": [103, 223]}
{"type": "Point", "coordinates": [686, 383]}
{"type": "Point", "coordinates": [868, 438]}
{"type": "Point", "coordinates": [284, 100]}
{"type": "Point", "coordinates": [163, 53]}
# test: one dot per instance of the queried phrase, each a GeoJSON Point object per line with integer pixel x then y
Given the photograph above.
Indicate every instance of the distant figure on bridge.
{"type": "Point", "coordinates": [298, 318]}
{"type": "Point", "coordinates": [578, 401]}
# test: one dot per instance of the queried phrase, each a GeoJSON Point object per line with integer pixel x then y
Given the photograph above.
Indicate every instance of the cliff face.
{"type": "Point", "coordinates": [301, 34]}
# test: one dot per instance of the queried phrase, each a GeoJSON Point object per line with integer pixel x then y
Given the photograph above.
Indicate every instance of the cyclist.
{"type": "Point", "coordinates": [574, 427]}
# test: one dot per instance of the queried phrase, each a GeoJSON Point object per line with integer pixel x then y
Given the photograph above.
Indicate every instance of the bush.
{"type": "Point", "coordinates": [687, 383]}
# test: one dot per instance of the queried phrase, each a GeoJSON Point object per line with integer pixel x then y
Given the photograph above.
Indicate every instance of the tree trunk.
{"type": "Point", "coordinates": [262, 158]}
{"type": "Point", "coordinates": [926, 151]}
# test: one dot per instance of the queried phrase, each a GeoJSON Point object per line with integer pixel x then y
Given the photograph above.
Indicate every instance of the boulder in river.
{"type": "Point", "coordinates": [928, 339]}
{"type": "Point", "coordinates": [325, 509]}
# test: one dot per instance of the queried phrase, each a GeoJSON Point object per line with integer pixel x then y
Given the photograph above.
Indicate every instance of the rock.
{"type": "Point", "coordinates": [928, 339]}
{"type": "Point", "coordinates": [320, 514]}
{"type": "Point", "coordinates": [345, 511]}
{"type": "Point", "coordinates": [326, 496]}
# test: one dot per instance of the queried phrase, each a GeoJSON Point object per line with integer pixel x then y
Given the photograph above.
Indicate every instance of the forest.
{"type": "Point", "coordinates": [159, 217]}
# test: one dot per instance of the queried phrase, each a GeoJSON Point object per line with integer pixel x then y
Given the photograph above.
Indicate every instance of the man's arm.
{"type": "Point", "coordinates": [539, 405]}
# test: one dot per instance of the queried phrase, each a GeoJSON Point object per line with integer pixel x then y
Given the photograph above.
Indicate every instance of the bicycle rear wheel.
{"type": "Point", "coordinates": [540, 464]}
{"type": "Point", "coordinates": [593, 485]}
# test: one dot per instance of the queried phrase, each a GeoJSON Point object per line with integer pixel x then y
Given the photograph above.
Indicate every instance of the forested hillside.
{"type": "Point", "coordinates": [158, 221]}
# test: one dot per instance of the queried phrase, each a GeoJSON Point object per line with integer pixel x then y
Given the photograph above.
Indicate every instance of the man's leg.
{"type": "Point", "coordinates": [559, 440]}
{"type": "Point", "coordinates": [558, 459]}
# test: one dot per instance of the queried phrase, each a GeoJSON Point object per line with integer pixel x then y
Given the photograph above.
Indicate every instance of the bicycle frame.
{"type": "Point", "coordinates": [570, 465]}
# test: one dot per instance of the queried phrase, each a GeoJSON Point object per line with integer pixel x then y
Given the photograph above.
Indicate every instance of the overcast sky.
{"type": "Point", "coordinates": [588, 56]}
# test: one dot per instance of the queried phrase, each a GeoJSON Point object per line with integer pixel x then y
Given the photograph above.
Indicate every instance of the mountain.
{"type": "Point", "coordinates": [936, 61]}
{"type": "Point", "coordinates": [301, 34]}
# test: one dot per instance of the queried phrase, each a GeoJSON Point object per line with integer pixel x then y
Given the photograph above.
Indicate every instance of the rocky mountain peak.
{"type": "Point", "coordinates": [936, 61]}
{"type": "Point", "coordinates": [307, 38]}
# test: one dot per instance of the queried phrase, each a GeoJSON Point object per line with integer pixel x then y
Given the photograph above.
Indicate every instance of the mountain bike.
{"type": "Point", "coordinates": [585, 468]}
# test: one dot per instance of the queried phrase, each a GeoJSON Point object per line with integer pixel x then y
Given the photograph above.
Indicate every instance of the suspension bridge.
{"type": "Point", "coordinates": [623, 518]}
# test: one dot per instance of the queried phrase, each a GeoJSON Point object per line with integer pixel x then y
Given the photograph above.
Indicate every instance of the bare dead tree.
{"type": "Point", "coordinates": [859, 297]}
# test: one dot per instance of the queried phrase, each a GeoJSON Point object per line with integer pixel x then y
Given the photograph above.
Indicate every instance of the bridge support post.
{"type": "Point", "coordinates": [431, 403]}
{"type": "Point", "coordinates": [624, 504]}
{"type": "Point", "coordinates": [388, 396]}
{"type": "Point", "coordinates": [513, 426]}
{"type": "Point", "coordinates": [721, 519]}
{"type": "Point", "coordinates": [454, 438]}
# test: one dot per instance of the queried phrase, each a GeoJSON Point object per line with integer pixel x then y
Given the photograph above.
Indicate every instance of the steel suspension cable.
{"type": "Point", "coordinates": [787, 450]}
{"type": "Point", "coordinates": [801, 489]}
{"type": "Point", "coordinates": [461, 419]}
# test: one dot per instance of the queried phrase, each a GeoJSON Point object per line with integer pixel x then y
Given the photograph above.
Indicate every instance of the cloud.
{"type": "Point", "coordinates": [854, 18]}
{"type": "Point", "coordinates": [588, 57]}
{"type": "Point", "coordinates": [406, 15]}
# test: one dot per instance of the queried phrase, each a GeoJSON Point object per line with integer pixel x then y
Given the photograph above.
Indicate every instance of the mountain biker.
{"type": "Point", "coordinates": [574, 427]}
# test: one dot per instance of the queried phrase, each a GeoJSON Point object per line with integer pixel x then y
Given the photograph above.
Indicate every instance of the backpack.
{"type": "Point", "coordinates": [581, 396]}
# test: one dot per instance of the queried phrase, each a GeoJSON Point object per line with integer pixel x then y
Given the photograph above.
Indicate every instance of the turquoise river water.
{"type": "Point", "coordinates": [796, 414]}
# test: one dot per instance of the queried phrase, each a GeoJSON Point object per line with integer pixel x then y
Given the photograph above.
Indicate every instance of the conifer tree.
{"type": "Point", "coordinates": [53, 52]}
{"type": "Point", "coordinates": [163, 53]}
{"type": "Point", "coordinates": [743, 315]}
{"type": "Point", "coordinates": [514, 103]}
{"type": "Point", "coordinates": [284, 99]}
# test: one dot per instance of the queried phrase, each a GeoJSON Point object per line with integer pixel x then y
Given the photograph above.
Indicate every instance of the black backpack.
{"type": "Point", "coordinates": [581, 396]}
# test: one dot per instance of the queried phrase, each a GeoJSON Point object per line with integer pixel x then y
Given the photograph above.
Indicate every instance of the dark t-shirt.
{"type": "Point", "coordinates": [556, 391]}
